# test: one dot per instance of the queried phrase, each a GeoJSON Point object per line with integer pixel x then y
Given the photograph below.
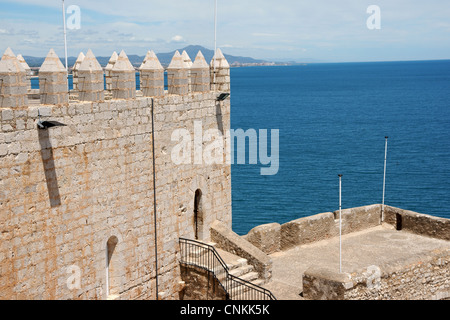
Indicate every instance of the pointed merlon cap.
{"type": "Point", "coordinates": [147, 56]}
{"type": "Point", "coordinates": [200, 62]}
{"type": "Point", "coordinates": [186, 59]}
{"type": "Point", "coordinates": [79, 60]}
{"type": "Point", "coordinates": [221, 62]}
{"type": "Point", "coordinates": [52, 63]}
{"type": "Point", "coordinates": [177, 62]}
{"type": "Point", "coordinates": [112, 61]}
{"type": "Point", "coordinates": [123, 63]}
{"type": "Point", "coordinates": [151, 62]}
{"type": "Point", "coordinates": [90, 63]}
{"type": "Point", "coordinates": [10, 63]}
{"type": "Point", "coordinates": [81, 57]}
{"type": "Point", "coordinates": [23, 63]}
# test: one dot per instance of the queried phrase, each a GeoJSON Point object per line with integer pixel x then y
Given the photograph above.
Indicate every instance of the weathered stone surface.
{"type": "Point", "coordinates": [418, 223]}
{"type": "Point", "coordinates": [27, 68]}
{"type": "Point", "coordinates": [123, 77]}
{"type": "Point", "coordinates": [266, 237]}
{"type": "Point", "coordinates": [307, 230]}
{"type": "Point", "coordinates": [178, 76]}
{"type": "Point", "coordinates": [152, 76]}
{"type": "Point", "coordinates": [67, 190]}
{"type": "Point", "coordinates": [220, 73]}
{"type": "Point", "coordinates": [324, 284]}
{"type": "Point", "coordinates": [108, 68]}
{"type": "Point", "coordinates": [200, 74]}
{"type": "Point", "coordinates": [53, 84]}
{"type": "Point", "coordinates": [75, 68]}
{"type": "Point", "coordinates": [186, 59]}
{"type": "Point", "coordinates": [91, 83]}
{"type": "Point", "coordinates": [418, 278]}
{"type": "Point", "coordinates": [13, 81]}
{"type": "Point", "coordinates": [229, 241]}
{"type": "Point", "coordinates": [200, 285]}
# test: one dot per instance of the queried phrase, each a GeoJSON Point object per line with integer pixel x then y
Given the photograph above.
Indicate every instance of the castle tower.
{"type": "Point", "coordinates": [177, 75]}
{"type": "Point", "coordinates": [123, 78]}
{"type": "Point", "coordinates": [75, 69]}
{"type": "Point", "coordinates": [200, 74]}
{"type": "Point", "coordinates": [220, 73]}
{"type": "Point", "coordinates": [109, 66]}
{"type": "Point", "coordinates": [27, 70]}
{"type": "Point", "coordinates": [13, 82]}
{"type": "Point", "coordinates": [152, 76]}
{"type": "Point", "coordinates": [53, 85]}
{"type": "Point", "coordinates": [90, 85]}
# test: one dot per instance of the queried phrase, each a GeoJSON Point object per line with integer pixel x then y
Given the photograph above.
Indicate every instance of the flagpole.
{"type": "Point", "coordinates": [215, 42]}
{"type": "Point", "coordinates": [65, 34]}
{"type": "Point", "coordinates": [384, 179]}
{"type": "Point", "coordinates": [340, 223]}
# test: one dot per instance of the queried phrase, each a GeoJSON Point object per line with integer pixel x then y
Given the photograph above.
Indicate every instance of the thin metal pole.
{"type": "Point", "coordinates": [65, 34]}
{"type": "Point", "coordinates": [154, 202]}
{"type": "Point", "coordinates": [215, 43]}
{"type": "Point", "coordinates": [384, 179]}
{"type": "Point", "coordinates": [340, 223]}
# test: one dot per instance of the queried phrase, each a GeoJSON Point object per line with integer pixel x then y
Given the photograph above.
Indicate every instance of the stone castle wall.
{"type": "Point", "coordinates": [76, 201]}
{"type": "Point", "coordinates": [421, 278]}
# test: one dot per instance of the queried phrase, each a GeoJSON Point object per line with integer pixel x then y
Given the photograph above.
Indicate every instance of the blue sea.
{"type": "Point", "coordinates": [333, 119]}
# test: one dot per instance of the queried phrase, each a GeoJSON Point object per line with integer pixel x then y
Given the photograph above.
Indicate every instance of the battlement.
{"type": "Point", "coordinates": [88, 181]}
{"type": "Point", "coordinates": [116, 81]}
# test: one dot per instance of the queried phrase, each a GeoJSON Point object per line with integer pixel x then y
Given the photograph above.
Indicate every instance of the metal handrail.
{"type": "Point", "coordinates": [233, 286]}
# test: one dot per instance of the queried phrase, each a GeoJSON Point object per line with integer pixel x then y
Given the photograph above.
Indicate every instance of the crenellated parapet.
{"type": "Point", "coordinates": [53, 84]}
{"type": "Point", "coordinates": [117, 80]}
{"type": "Point", "coordinates": [75, 69]}
{"type": "Point", "coordinates": [13, 81]}
{"type": "Point", "coordinates": [109, 66]}
{"type": "Point", "coordinates": [27, 68]}
{"type": "Point", "coordinates": [90, 79]}
{"type": "Point", "coordinates": [220, 73]}
{"type": "Point", "coordinates": [152, 76]}
{"type": "Point", "coordinates": [123, 77]}
{"type": "Point", "coordinates": [178, 75]}
{"type": "Point", "coordinates": [200, 75]}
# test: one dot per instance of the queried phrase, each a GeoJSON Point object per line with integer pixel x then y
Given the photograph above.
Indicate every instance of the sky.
{"type": "Point", "coordinates": [283, 30]}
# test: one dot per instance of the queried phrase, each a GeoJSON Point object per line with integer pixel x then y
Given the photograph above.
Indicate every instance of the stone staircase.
{"type": "Point", "coordinates": [237, 267]}
{"type": "Point", "coordinates": [240, 268]}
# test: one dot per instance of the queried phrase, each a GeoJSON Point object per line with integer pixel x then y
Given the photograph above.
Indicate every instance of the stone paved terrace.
{"type": "Point", "coordinates": [381, 245]}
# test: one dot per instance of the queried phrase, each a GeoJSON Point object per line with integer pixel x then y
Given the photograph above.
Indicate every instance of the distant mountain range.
{"type": "Point", "coordinates": [164, 58]}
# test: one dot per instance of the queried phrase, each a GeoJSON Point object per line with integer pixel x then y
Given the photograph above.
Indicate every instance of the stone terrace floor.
{"type": "Point", "coordinates": [375, 246]}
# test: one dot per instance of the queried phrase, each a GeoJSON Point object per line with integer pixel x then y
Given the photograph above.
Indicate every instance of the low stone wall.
{"type": "Point", "coordinates": [229, 241]}
{"type": "Point", "coordinates": [425, 277]}
{"type": "Point", "coordinates": [200, 285]}
{"type": "Point", "coordinates": [265, 237]}
{"type": "Point", "coordinates": [422, 224]}
{"type": "Point", "coordinates": [272, 237]}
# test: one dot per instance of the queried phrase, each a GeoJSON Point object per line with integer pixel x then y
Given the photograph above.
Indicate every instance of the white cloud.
{"type": "Point", "coordinates": [177, 38]}
{"type": "Point", "coordinates": [257, 28]}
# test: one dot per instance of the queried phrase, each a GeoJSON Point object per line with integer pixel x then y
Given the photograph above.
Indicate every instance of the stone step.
{"type": "Point", "coordinates": [237, 266]}
{"type": "Point", "coordinates": [251, 276]}
{"type": "Point", "coordinates": [259, 282]}
{"type": "Point", "coordinates": [242, 270]}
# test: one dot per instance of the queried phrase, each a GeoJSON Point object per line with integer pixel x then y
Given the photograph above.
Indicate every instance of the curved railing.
{"type": "Point", "coordinates": [202, 255]}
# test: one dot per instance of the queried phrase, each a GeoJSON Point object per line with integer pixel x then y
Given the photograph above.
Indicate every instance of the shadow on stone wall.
{"type": "Point", "coordinates": [49, 168]}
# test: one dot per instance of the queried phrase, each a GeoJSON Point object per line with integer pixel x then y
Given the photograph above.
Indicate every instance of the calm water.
{"type": "Point", "coordinates": [332, 120]}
